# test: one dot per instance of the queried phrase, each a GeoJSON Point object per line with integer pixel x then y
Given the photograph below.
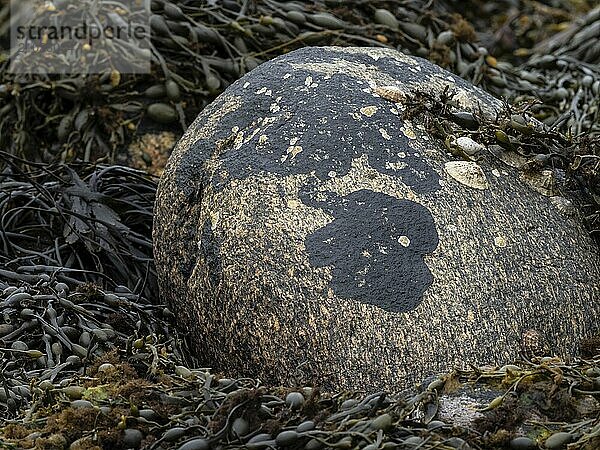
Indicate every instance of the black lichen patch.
{"type": "Point", "coordinates": [314, 125]}
{"type": "Point", "coordinates": [375, 248]}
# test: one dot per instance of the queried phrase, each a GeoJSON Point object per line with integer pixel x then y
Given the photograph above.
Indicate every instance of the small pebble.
{"type": "Point", "coordinates": [468, 145]}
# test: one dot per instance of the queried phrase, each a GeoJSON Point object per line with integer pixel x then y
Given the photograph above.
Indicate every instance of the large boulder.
{"type": "Point", "coordinates": [307, 227]}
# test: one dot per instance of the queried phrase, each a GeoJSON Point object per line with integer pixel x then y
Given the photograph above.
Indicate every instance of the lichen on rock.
{"type": "Point", "coordinates": [311, 219]}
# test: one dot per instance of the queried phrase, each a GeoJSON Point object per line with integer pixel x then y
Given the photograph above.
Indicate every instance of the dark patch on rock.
{"type": "Point", "coordinates": [375, 247]}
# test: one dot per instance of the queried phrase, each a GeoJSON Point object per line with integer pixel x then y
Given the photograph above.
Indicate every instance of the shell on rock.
{"type": "Point", "coordinates": [565, 206]}
{"type": "Point", "coordinates": [543, 182]}
{"type": "Point", "coordinates": [467, 173]}
{"type": "Point", "coordinates": [392, 93]}
{"type": "Point", "coordinates": [510, 158]}
{"type": "Point", "coordinates": [468, 145]}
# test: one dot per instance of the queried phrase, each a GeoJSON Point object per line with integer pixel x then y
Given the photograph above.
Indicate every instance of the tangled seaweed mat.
{"type": "Point", "coordinates": [88, 361]}
{"type": "Point", "coordinates": [199, 49]}
{"type": "Point", "coordinates": [136, 391]}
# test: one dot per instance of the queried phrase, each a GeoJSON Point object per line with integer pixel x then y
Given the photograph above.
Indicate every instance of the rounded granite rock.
{"type": "Point", "coordinates": [307, 229]}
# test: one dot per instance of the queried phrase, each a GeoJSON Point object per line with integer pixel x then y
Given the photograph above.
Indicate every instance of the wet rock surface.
{"type": "Point", "coordinates": [307, 228]}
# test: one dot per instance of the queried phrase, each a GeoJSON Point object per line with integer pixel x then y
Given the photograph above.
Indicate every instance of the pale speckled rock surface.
{"type": "Point", "coordinates": [303, 228]}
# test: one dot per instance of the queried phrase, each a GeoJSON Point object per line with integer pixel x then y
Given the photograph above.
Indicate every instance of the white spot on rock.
{"type": "Point", "coordinates": [396, 165]}
{"type": "Point", "coordinates": [382, 249]}
{"type": "Point", "coordinates": [239, 140]}
{"type": "Point", "coordinates": [368, 110]}
{"type": "Point", "coordinates": [251, 136]}
{"type": "Point", "coordinates": [409, 132]}
{"type": "Point", "coordinates": [214, 220]}
{"type": "Point", "coordinates": [294, 150]}
{"type": "Point", "coordinates": [385, 134]}
{"type": "Point", "coordinates": [500, 241]}
{"type": "Point", "coordinates": [404, 241]}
